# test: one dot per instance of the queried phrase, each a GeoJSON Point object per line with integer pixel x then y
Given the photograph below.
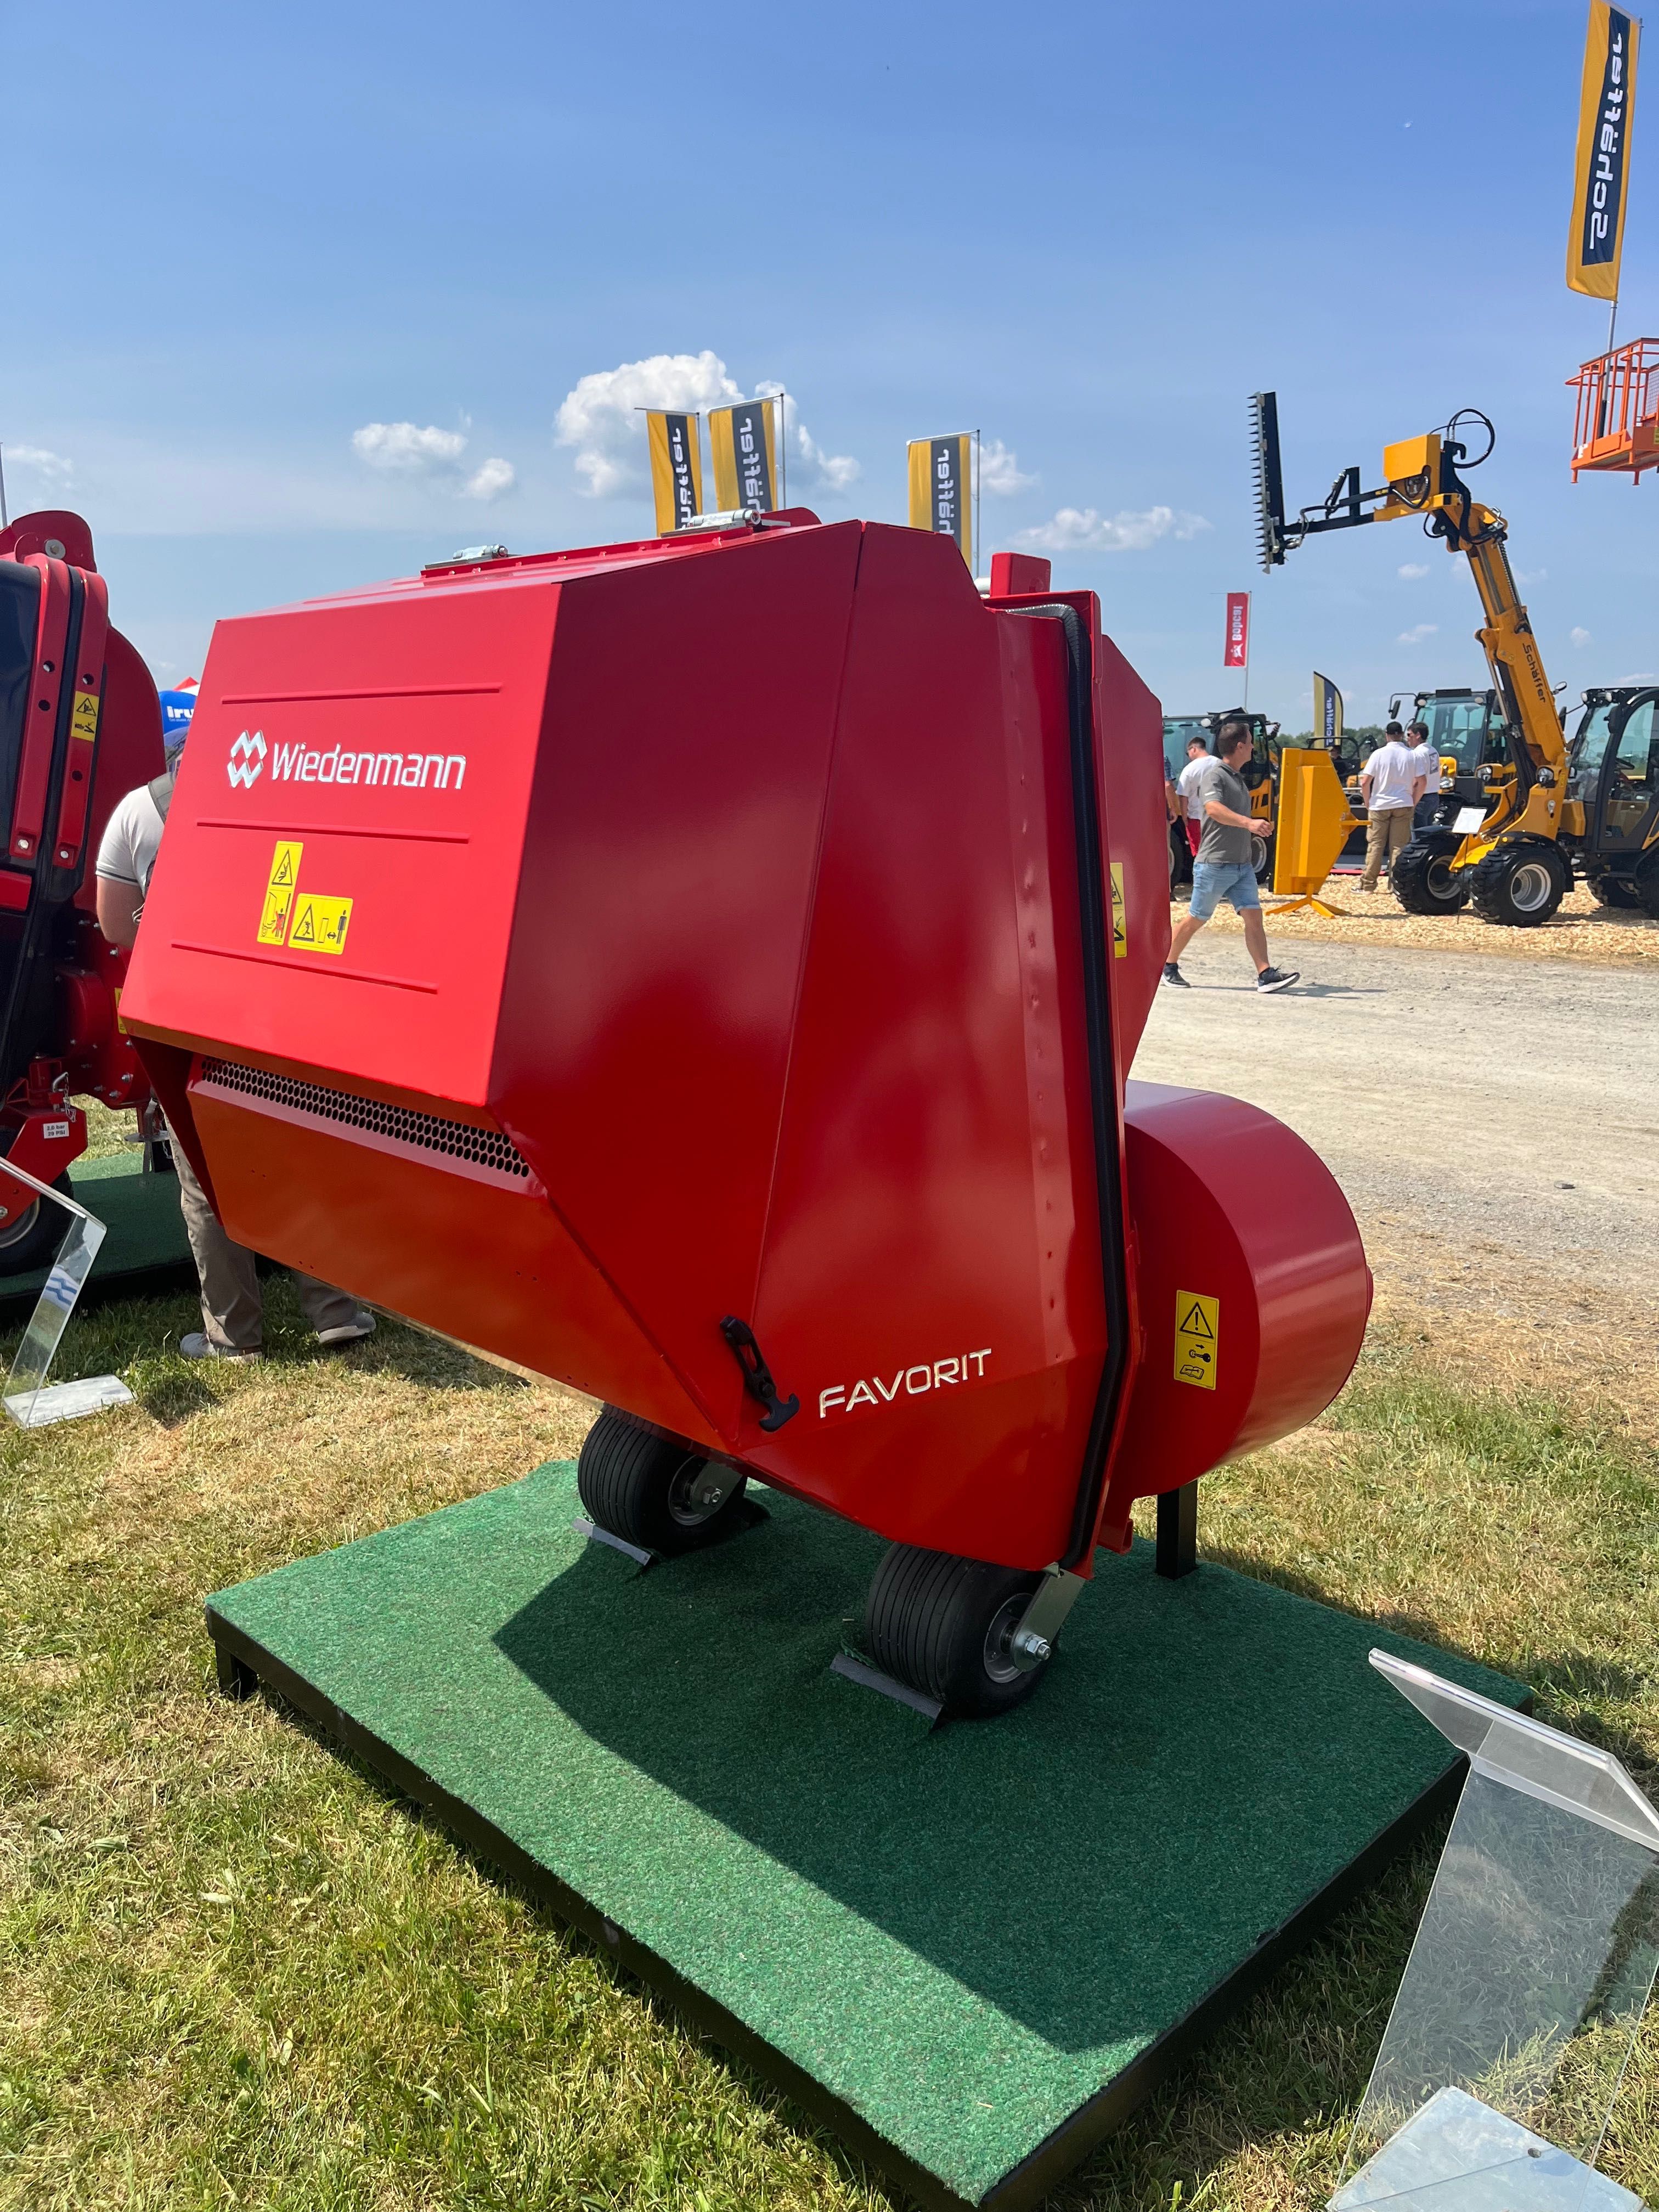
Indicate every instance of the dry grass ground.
{"type": "Point", "coordinates": [1579, 930]}
{"type": "Point", "coordinates": [234, 1970]}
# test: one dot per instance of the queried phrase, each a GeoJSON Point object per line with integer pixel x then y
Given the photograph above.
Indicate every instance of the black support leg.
{"type": "Point", "coordinates": [1177, 1530]}
{"type": "Point", "coordinates": [236, 1678]}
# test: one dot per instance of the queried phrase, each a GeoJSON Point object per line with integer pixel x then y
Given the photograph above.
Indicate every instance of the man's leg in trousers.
{"type": "Point", "coordinates": [1400, 836]}
{"type": "Point", "coordinates": [1376, 841]}
{"type": "Point", "coordinates": [230, 1286]}
{"type": "Point", "coordinates": [323, 1306]}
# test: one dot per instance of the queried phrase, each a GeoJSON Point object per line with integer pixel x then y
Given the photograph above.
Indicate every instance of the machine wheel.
{"type": "Point", "coordinates": [1261, 857]}
{"type": "Point", "coordinates": [1614, 891]}
{"type": "Point", "coordinates": [31, 1238]}
{"type": "Point", "coordinates": [1647, 887]}
{"type": "Point", "coordinates": [1519, 884]}
{"type": "Point", "coordinates": [1424, 881]}
{"type": "Point", "coordinates": [942, 1625]}
{"type": "Point", "coordinates": [652, 1491]}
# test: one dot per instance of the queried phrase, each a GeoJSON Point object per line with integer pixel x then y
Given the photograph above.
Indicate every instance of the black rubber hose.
{"type": "Point", "coordinates": [1095, 914]}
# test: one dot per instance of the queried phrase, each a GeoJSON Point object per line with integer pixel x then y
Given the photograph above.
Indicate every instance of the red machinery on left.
{"type": "Point", "coordinates": [80, 726]}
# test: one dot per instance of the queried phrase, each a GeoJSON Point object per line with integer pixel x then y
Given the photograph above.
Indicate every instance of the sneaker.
{"type": "Point", "coordinates": [1275, 979]}
{"type": "Point", "coordinates": [349, 1332]}
{"type": "Point", "coordinates": [199, 1345]}
{"type": "Point", "coordinates": [1173, 974]}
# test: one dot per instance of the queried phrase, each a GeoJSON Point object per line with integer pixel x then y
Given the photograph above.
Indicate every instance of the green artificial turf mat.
{"type": "Point", "coordinates": [141, 1212]}
{"type": "Point", "coordinates": [962, 1936]}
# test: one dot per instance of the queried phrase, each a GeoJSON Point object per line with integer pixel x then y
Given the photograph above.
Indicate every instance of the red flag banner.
{"type": "Point", "coordinates": [1236, 654]}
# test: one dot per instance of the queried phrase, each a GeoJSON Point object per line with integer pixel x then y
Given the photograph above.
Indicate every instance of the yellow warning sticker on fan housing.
{"type": "Point", "coordinates": [1197, 1327]}
{"type": "Point", "coordinates": [1120, 914]}
{"type": "Point", "coordinates": [319, 923]}
{"type": "Point", "coordinates": [83, 723]}
{"type": "Point", "coordinates": [279, 892]}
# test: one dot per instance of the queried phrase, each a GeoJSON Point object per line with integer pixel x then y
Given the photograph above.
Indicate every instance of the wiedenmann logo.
{"type": "Point", "coordinates": [245, 769]}
{"type": "Point", "coordinates": [296, 764]}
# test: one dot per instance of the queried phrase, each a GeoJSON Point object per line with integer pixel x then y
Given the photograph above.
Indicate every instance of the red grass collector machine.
{"type": "Point", "coordinates": [80, 726]}
{"type": "Point", "coordinates": [707, 971]}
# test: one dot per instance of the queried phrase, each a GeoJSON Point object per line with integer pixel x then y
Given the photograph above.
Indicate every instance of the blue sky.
{"type": "Point", "coordinates": [238, 238]}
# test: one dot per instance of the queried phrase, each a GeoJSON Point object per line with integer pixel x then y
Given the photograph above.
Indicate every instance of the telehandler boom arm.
{"type": "Point", "coordinates": [1420, 478]}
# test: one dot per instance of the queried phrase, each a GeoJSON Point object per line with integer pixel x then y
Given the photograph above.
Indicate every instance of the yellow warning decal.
{"type": "Point", "coordinates": [319, 923]}
{"type": "Point", "coordinates": [1197, 1327]}
{"type": "Point", "coordinates": [1119, 915]}
{"type": "Point", "coordinates": [279, 892]}
{"type": "Point", "coordinates": [83, 723]}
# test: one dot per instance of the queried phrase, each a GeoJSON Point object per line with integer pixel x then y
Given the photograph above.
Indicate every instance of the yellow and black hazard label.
{"type": "Point", "coordinates": [83, 723]}
{"type": "Point", "coordinates": [279, 892]}
{"type": "Point", "coordinates": [319, 923]}
{"type": "Point", "coordinates": [1120, 914]}
{"type": "Point", "coordinates": [1198, 1326]}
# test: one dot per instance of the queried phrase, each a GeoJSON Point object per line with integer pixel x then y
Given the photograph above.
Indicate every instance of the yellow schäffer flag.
{"type": "Point", "coordinates": [1602, 181]}
{"type": "Point", "coordinates": [744, 445]}
{"type": "Point", "coordinates": [676, 469]}
{"type": "Point", "coordinates": [941, 486]}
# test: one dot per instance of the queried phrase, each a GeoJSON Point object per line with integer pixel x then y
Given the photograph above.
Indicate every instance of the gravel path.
{"type": "Point", "coordinates": [1453, 1095]}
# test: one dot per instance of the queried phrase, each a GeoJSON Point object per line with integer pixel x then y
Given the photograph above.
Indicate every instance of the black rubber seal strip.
{"type": "Point", "coordinates": [1094, 916]}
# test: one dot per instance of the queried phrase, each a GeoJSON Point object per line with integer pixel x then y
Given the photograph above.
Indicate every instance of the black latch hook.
{"type": "Point", "coordinates": [757, 1375]}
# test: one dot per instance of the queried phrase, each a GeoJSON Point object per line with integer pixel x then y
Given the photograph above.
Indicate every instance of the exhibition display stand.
{"type": "Point", "coordinates": [145, 1231]}
{"type": "Point", "coordinates": [1526, 1986]}
{"type": "Point", "coordinates": [972, 1949]}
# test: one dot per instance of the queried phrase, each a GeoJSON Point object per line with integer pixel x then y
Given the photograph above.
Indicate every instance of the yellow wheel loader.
{"type": "Point", "coordinates": [1519, 843]}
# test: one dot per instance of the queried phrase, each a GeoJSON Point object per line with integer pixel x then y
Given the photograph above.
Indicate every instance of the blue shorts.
{"type": "Point", "coordinates": [1213, 880]}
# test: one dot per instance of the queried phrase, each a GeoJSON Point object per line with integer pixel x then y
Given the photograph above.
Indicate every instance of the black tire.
{"type": "Point", "coordinates": [31, 1238]}
{"type": "Point", "coordinates": [1261, 857]}
{"type": "Point", "coordinates": [1424, 883]}
{"type": "Point", "coordinates": [941, 1624]}
{"type": "Point", "coordinates": [1519, 884]}
{"type": "Point", "coordinates": [1616, 891]}
{"type": "Point", "coordinates": [652, 1491]}
{"type": "Point", "coordinates": [1647, 886]}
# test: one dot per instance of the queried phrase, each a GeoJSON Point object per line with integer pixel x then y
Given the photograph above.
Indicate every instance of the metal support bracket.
{"type": "Point", "coordinates": [1033, 1642]}
{"type": "Point", "coordinates": [595, 1534]}
{"type": "Point", "coordinates": [872, 1678]}
{"type": "Point", "coordinates": [1177, 1531]}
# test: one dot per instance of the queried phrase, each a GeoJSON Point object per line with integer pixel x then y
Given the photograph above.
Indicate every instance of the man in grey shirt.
{"type": "Point", "coordinates": [232, 1309]}
{"type": "Point", "coordinates": [1222, 868]}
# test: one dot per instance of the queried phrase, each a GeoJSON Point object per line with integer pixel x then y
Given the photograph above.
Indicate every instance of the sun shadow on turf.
{"type": "Point", "coordinates": [1206, 1756]}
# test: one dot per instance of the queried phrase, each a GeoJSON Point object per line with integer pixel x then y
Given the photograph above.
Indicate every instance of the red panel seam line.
{"type": "Point", "coordinates": [327, 829]}
{"type": "Point", "coordinates": [807, 936]}
{"type": "Point", "coordinates": [368, 691]}
{"type": "Point", "coordinates": [305, 968]}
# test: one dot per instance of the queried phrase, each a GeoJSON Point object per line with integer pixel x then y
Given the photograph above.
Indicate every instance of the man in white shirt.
{"type": "Point", "coordinates": [1199, 756]}
{"type": "Point", "coordinates": [1428, 762]}
{"type": "Point", "coordinates": [1390, 783]}
{"type": "Point", "coordinates": [232, 1310]}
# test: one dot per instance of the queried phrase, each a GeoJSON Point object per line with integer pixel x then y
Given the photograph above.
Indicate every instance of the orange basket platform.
{"type": "Point", "coordinates": [1617, 429]}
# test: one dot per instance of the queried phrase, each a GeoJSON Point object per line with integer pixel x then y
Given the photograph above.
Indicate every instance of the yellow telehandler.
{"type": "Point", "coordinates": [1519, 842]}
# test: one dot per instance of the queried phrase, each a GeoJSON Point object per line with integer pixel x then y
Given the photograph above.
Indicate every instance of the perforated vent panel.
{"type": "Point", "coordinates": [430, 1133]}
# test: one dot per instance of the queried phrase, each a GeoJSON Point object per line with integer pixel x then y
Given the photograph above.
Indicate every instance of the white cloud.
{"type": "Point", "coordinates": [407, 448]}
{"type": "Point", "coordinates": [1579, 636]}
{"type": "Point", "coordinates": [999, 471]}
{"type": "Point", "coordinates": [491, 479]}
{"type": "Point", "coordinates": [1530, 575]}
{"type": "Point", "coordinates": [50, 468]}
{"type": "Point", "coordinates": [1412, 570]}
{"type": "Point", "coordinates": [1077, 529]}
{"type": "Point", "coordinates": [1416, 637]}
{"type": "Point", "coordinates": [815, 470]}
{"type": "Point", "coordinates": [600, 416]}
